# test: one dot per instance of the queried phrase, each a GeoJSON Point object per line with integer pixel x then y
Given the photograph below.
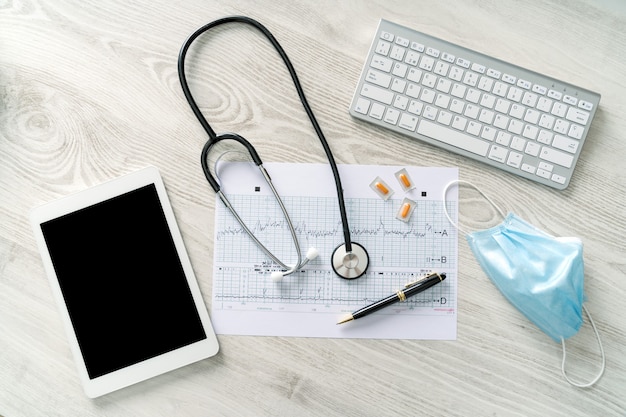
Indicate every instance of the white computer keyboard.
{"type": "Point", "coordinates": [475, 105]}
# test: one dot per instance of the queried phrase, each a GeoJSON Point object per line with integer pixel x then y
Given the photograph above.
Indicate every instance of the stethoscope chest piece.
{"type": "Point", "coordinates": [350, 265]}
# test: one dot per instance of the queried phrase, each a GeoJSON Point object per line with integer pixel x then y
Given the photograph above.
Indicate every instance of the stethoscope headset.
{"type": "Point", "coordinates": [350, 259]}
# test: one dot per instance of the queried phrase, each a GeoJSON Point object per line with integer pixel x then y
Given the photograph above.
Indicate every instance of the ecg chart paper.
{"type": "Point", "coordinates": [309, 303]}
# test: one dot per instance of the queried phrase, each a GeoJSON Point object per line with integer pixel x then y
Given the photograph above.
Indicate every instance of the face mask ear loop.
{"type": "Point", "coordinates": [445, 206]}
{"type": "Point", "coordinates": [597, 378]}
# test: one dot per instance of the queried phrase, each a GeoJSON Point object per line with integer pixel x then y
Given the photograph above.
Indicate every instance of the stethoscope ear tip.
{"type": "Point", "coordinates": [312, 253]}
{"type": "Point", "coordinates": [277, 276]}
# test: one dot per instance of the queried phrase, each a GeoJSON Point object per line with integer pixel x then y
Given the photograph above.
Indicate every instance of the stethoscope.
{"type": "Point", "coordinates": [350, 259]}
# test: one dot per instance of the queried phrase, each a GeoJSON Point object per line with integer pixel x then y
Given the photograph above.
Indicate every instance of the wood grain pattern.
{"type": "Point", "coordinates": [89, 90]}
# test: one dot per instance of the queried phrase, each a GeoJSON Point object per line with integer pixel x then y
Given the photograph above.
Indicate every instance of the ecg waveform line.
{"type": "Point", "coordinates": [316, 222]}
{"type": "Point", "coordinates": [302, 229]}
{"type": "Point", "coordinates": [238, 286]}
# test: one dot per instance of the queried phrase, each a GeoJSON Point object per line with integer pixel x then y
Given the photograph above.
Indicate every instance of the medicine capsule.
{"type": "Point", "coordinates": [405, 210]}
{"type": "Point", "coordinates": [381, 188]}
{"type": "Point", "coordinates": [404, 179]}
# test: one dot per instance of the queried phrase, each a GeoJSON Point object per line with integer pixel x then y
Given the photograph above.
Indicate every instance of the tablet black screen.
{"type": "Point", "coordinates": [122, 281]}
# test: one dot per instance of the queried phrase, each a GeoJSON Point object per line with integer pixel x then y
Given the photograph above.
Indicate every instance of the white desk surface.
{"type": "Point", "coordinates": [89, 90]}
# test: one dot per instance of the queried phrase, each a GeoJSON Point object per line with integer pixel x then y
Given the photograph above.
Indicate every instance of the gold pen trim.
{"type": "Point", "coordinates": [410, 284]}
{"type": "Point", "coordinates": [401, 295]}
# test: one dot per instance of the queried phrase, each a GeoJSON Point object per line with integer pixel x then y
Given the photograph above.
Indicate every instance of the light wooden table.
{"type": "Point", "coordinates": [89, 90]}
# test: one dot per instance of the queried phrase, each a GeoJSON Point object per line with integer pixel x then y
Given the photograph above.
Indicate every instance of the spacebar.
{"type": "Point", "coordinates": [453, 137]}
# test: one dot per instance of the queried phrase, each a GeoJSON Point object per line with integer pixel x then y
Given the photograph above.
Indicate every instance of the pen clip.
{"type": "Point", "coordinates": [410, 284]}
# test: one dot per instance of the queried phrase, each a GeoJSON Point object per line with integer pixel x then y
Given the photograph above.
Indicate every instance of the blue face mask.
{"type": "Point", "coordinates": [541, 275]}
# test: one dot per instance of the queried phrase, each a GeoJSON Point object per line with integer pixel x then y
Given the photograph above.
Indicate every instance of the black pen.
{"type": "Point", "coordinates": [409, 290]}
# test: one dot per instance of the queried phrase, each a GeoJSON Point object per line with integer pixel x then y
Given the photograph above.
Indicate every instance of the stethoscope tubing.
{"type": "Point", "coordinates": [214, 138]}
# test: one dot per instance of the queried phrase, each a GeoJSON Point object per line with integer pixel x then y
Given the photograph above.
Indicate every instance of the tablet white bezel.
{"type": "Point", "coordinates": [151, 367]}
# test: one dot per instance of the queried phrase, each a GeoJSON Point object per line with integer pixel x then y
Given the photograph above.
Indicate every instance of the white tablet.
{"type": "Point", "coordinates": [121, 276]}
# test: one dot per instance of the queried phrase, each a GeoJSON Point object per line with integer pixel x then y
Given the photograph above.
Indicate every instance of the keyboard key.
{"type": "Point", "coordinates": [556, 157]}
{"type": "Point", "coordinates": [426, 63]}
{"type": "Point", "coordinates": [585, 105]}
{"type": "Point", "coordinates": [503, 139]}
{"type": "Point", "coordinates": [414, 75]}
{"type": "Point", "coordinates": [575, 131]}
{"type": "Point", "coordinates": [517, 111]}
{"type": "Point", "coordinates": [397, 53]}
{"type": "Point", "coordinates": [391, 116]}
{"type": "Point", "coordinates": [416, 107]}
{"type": "Point", "coordinates": [428, 96]}
{"type": "Point", "coordinates": [398, 85]}
{"type": "Point", "coordinates": [558, 179]}
{"type": "Point", "coordinates": [453, 137]}
{"type": "Point", "coordinates": [544, 104]}
{"type": "Point", "coordinates": [500, 89]}
{"type": "Point", "coordinates": [463, 63]}
{"type": "Point", "coordinates": [502, 106]}
{"type": "Point", "coordinates": [473, 128]}
{"type": "Point", "coordinates": [515, 159]}
{"type": "Point", "coordinates": [459, 122]}
{"type": "Point", "coordinates": [532, 148]}
{"type": "Point", "coordinates": [515, 94]}
{"type": "Point", "coordinates": [478, 68]}
{"type": "Point", "coordinates": [518, 143]}
{"type": "Point", "coordinates": [543, 173]}
{"type": "Point", "coordinates": [565, 144]}
{"type": "Point", "coordinates": [387, 36]}
{"type": "Point", "coordinates": [381, 63]}
{"type": "Point", "coordinates": [488, 133]}
{"type": "Point", "coordinates": [362, 106]}
{"type": "Point", "coordinates": [445, 118]}
{"type": "Point", "coordinates": [471, 111]}
{"type": "Point", "coordinates": [546, 166]}
{"type": "Point", "coordinates": [456, 74]}
{"type": "Point", "coordinates": [501, 121]}
{"type": "Point", "coordinates": [498, 153]}
{"type": "Point", "coordinates": [493, 73]}
{"type": "Point", "coordinates": [441, 68]}
{"type": "Point", "coordinates": [402, 41]}
{"type": "Point", "coordinates": [507, 78]}
{"type": "Point", "coordinates": [554, 94]}
{"type": "Point", "coordinates": [448, 57]}
{"type": "Point", "coordinates": [377, 93]}
{"type": "Point", "coordinates": [528, 168]}
{"type": "Point", "coordinates": [412, 58]}
{"type": "Point", "coordinates": [430, 112]}
{"type": "Point", "coordinates": [577, 115]}
{"type": "Point", "coordinates": [408, 122]}
{"type": "Point", "coordinates": [400, 102]}
{"type": "Point", "coordinates": [417, 46]}
{"type": "Point", "coordinates": [413, 90]}
{"type": "Point", "coordinates": [379, 78]}
{"type": "Point", "coordinates": [383, 47]}
{"type": "Point", "coordinates": [545, 137]}
{"type": "Point", "coordinates": [559, 109]}
{"type": "Point", "coordinates": [570, 100]}
{"type": "Point", "coordinates": [378, 110]}
{"type": "Point", "coordinates": [561, 126]}
{"type": "Point", "coordinates": [399, 70]}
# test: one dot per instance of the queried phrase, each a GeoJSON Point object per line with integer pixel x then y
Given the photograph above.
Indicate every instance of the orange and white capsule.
{"type": "Point", "coordinates": [381, 188]}
{"type": "Point", "coordinates": [404, 179]}
{"type": "Point", "coordinates": [405, 210]}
